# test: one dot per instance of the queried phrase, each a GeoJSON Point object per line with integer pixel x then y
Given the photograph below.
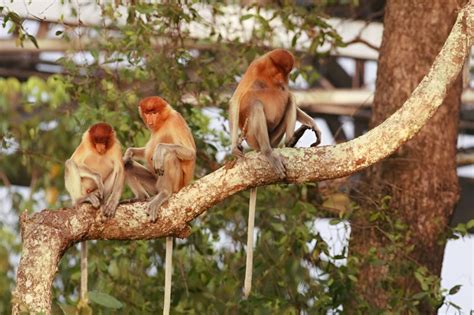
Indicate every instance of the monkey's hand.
{"type": "Point", "coordinates": [159, 157]}
{"type": "Point", "coordinates": [108, 209]}
{"type": "Point", "coordinates": [317, 132]}
{"type": "Point", "coordinates": [152, 208]}
{"type": "Point", "coordinates": [93, 198]}
{"type": "Point", "coordinates": [128, 157]}
{"type": "Point", "coordinates": [158, 167]}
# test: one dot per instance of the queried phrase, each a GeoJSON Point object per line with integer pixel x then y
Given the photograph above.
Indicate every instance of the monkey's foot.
{"type": "Point", "coordinates": [277, 162]}
{"type": "Point", "coordinates": [152, 209]}
{"type": "Point", "coordinates": [108, 210]}
{"type": "Point", "coordinates": [318, 137]}
{"type": "Point", "coordinates": [237, 151]}
{"type": "Point", "coordinates": [92, 198]}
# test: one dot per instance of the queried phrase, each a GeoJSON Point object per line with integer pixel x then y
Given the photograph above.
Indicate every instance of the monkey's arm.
{"type": "Point", "coordinates": [234, 126]}
{"type": "Point", "coordinates": [305, 119]}
{"type": "Point", "coordinates": [133, 153]}
{"type": "Point", "coordinates": [140, 180]}
{"type": "Point", "coordinates": [183, 153]}
{"type": "Point", "coordinates": [72, 179]}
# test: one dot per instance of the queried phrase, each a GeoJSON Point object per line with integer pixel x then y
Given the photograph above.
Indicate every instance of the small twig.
{"type": "Point", "coordinates": [359, 40]}
{"type": "Point", "coordinates": [5, 179]}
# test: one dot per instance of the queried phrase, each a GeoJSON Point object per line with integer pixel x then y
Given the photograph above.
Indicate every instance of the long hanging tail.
{"type": "Point", "coordinates": [250, 228]}
{"type": "Point", "coordinates": [168, 272]}
{"type": "Point", "coordinates": [83, 293]}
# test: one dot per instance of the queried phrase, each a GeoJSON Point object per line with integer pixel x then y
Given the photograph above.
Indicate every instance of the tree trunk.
{"type": "Point", "coordinates": [421, 176]}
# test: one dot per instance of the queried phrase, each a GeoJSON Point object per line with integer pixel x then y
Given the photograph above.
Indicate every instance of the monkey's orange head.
{"type": "Point", "coordinates": [282, 59]}
{"type": "Point", "coordinates": [154, 111]}
{"type": "Point", "coordinates": [101, 136]}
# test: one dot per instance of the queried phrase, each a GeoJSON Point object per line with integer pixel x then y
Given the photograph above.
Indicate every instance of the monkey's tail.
{"type": "Point", "coordinates": [83, 293]}
{"type": "Point", "coordinates": [168, 272]}
{"type": "Point", "coordinates": [250, 228]}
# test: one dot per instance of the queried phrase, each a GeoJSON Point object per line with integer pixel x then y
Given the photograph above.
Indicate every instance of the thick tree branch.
{"type": "Point", "coordinates": [48, 234]}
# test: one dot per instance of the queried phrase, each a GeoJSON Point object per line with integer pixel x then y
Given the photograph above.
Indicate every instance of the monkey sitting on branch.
{"type": "Point", "coordinates": [170, 158]}
{"type": "Point", "coordinates": [95, 174]}
{"type": "Point", "coordinates": [263, 108]}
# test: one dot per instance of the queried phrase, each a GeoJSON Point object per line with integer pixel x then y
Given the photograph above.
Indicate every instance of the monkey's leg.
{"type": "Point", "coordinates": [167, 184]}
{"type": "Point", "coordinates": [113, 190]}
{"type": "Point", "coordinates": [257, 137]}
{"type": "Point", "coordinates": [286, 126]}
{"type": "Point", "coordinates": [140, 180]}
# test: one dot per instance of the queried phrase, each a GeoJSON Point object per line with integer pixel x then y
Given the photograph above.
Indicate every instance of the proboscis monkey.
{"type": "Point", "coordinates": [95, 174]}
{"type": "Point", "coordinates": [263, 109]}
{"type": "Point", "coordinates": [170, 158]}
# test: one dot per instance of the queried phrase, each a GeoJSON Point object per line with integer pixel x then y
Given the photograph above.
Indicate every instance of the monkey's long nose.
{"type": "Point", "coordinates": [100, 148]}
{"type": "Point", "coordinates": [150, 119]}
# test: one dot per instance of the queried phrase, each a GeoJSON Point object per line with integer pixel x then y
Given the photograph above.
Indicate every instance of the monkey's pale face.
{"type": "Point", "coordinates": [151, 119]}
{"type": "Point", "coordinates": [154, 111]}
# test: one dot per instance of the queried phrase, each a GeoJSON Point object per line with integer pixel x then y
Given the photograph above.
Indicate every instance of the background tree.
{"type": "Point", "coordinates": [421, 177]}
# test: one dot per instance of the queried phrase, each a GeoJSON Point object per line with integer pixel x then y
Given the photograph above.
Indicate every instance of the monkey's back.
{"type": "Point", "coordinates": [265, 83]}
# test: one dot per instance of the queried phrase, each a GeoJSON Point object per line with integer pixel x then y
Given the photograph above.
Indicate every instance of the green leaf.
{"type": "Point", "coordinates": [68, 309]}
{"type": "Point", "coordinates": [470, 224]}
{"type": "Point", "coordinates": [14, 17]}
{"type": "Point", "coordinates": [455, 289]}
{"type": "Point", "coordinates": [419, 295]}
{"type": "Point", "coordinates": [374, 216]}
{"type": "Point", "coordinates": [334, 221]}
{"type": "Point", "coordinates": [33, 40]}
{"type": "Point", "coordinates": [104, 299]}
{"type": "Point", "coordinates": [58, 33]}
{"type": "Point", "coordinates": [246, 17]}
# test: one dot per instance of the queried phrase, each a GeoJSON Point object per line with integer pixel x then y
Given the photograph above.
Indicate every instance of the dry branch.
{"type": "Point", "coordinates": [48, 234]}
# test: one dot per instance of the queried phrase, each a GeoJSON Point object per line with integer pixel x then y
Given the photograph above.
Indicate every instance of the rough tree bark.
{"type": "Point", "coordinates": [421, 177]}
{"type": "Point", "coordinates": [48, 234]}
